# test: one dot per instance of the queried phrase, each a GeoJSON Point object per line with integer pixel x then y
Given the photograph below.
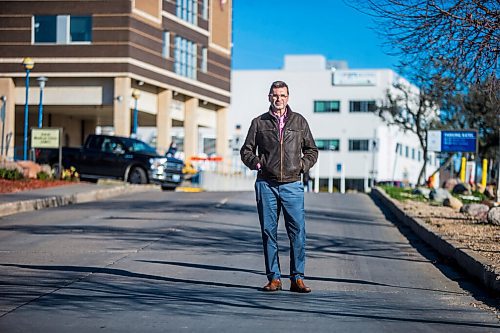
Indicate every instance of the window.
{"type": "Point", "coordinates": [185, 57]}
{"type": "Point", "coordinates": [187, 10]}
{"type": "Point", "coordinates": [328, 144]}
{"type": "Point", "coordinates": [205, 10]}
{"type": "Point", "coordinates": [45, 29]}
{"type": "Point", "coordinates": [413, 153]}
{"type": "Point", "coordinates": [429, 159]}
{"type": "Point", "coordinates": [209, 146]}
{"type": "Point", "coordinates": [419, 155]}
{"type": "Point", "coordinates": [80, 28]}
{"type": "Point", "coordinates": [407, 151]}
{"type": "Point", "coordinates": [204, 59]}
{"type": "Point", "coordinates": [359, 145]}
{"type": "Point", "coordinates": [362, 106]}
{"type": "Point", "coordinates": [95, 142]}
{"type": "Point", "coordinates": [62, 29]}
{"type": "Point", "coordinates": [165, 51]}
{"type": "Point", "coordinates": [326, 106]}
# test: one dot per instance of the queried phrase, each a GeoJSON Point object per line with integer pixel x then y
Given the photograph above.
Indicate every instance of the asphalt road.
{"type": "Point", "coordinates": [174, 262]}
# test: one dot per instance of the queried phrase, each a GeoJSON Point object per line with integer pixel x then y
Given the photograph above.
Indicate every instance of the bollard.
{"type": "Point", "coordinates": [462, 169]}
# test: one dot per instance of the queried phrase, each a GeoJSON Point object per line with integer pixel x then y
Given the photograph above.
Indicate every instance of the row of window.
{"type": "Point", "coordinates": [185, 60]}
{"type": "Point", "coordinates": [364, 145]}
{"type": "Point", "coordinates": [334, 144]}
{"type": "Point", "coordinates": [414, 154]}
{"type": "Point", "coordinates": [186, 56]}
{"type": "Point", "coordinates": [354, 106]}
{"type": "Point", "coordinates": [62, 29]}
{"type": "Point", "coordinates": [188, 10]}
{"type": "Point", "coordinates": [68, 29]}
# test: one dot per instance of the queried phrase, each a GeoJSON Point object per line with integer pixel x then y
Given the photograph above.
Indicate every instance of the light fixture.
{"type": "Point", "coordinates": [119, 98]}
{"type": "Point", "coordinates": [135, 95]}
{"type": "Point", "coordinates": [2, 118]}
{"type": "Point", "coordinates": [41, 82]}
{"type": "Point", "coordinates": [28, 64]}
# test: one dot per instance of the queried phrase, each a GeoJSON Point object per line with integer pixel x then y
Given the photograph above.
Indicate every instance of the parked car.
{"type": "Point", "coordinates": [128, 159]}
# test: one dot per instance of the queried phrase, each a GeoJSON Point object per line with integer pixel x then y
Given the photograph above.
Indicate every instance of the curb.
{"type": "Point", "coordinates": [474, 264]}
{"type": "Point", "coordinates": [15, 207]}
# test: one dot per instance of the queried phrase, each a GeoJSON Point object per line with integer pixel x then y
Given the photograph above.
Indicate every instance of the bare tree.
{"type": "Point", "coordinates": [478, 109]}
{"type": "Point", "coordinates": [458, 39]}
{"type": "Point", "coordinates": [411, 110]}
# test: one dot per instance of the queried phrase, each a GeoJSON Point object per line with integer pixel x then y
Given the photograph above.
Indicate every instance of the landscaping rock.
{"type": "Point", "coordinates": [494, 216]}
{"type": "Point", "coordinates": [449, 184]}
{"type": "Point", "coordinates": [30, 169]}
{"type": "Point", "coordinates": [422, 191]}
{"type": "Point", "coordinates": [461, 189]}
{"type": "Point", "coordinates": [10, 165]}
{"type": "Point", "coordinates": [489, 191]}
{"type": "Point", "coordinates": [453, 202]}
{"type": "Point", "coordinates": [438, 195]}
{"type": "Point", "coordinates": [489, 203]}
{"type": "Point", "coordinates": [477, 211]}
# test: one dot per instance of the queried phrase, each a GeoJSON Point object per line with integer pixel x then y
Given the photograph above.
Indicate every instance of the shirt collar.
{"type": "Point", "coordinates": [285, 115]}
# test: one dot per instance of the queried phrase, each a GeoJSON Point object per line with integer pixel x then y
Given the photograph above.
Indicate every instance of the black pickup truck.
{"type": "Point", "coordinates": [105, 156]}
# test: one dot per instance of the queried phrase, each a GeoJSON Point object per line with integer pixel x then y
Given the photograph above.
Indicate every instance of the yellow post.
{"type": "Point", "coordinates": [462, 169]}
{"type": "Point", "coordinates": [485, 173]}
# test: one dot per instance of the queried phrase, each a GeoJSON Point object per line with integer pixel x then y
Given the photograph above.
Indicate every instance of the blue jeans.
{"type": "Point", "coordinates": [272, 198]}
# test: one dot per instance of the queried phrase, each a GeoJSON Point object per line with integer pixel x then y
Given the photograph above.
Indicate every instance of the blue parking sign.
{"type": "Point", "coordinates": [459, 141]}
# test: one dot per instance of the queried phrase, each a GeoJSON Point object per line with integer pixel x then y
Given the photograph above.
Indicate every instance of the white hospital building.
{"type": "Point", "coordinates": [356, 147]}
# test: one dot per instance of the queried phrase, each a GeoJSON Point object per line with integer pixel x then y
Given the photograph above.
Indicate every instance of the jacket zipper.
{"type": "Point", "coordinates": [281, 155]}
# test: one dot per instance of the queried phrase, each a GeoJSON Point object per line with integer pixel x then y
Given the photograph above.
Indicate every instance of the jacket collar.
{"type": "Point", "coordinates": [288, 112]}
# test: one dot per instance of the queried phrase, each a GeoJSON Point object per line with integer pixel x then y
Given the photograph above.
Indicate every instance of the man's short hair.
{"type": "Point", "coordinates": [278, 84]}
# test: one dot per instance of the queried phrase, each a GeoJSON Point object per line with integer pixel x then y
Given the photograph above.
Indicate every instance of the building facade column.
{"type": "Point", "coordinates": [7, 126]}
{"type": "Point", "coordinates": [222, 141]}
{"type": "Point", "coordinates": [190, 127]}
{"type": "Point", "coordinates": [164, 121]}
{"type": "Point", "coordinates": [121, 106]}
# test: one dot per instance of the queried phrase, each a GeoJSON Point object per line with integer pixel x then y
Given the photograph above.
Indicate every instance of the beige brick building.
{"type": "Point", "coordinates": [175, 55]}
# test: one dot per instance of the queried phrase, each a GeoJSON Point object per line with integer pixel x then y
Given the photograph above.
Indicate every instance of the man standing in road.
{"type": "Point", "coordinates": [279, 144]}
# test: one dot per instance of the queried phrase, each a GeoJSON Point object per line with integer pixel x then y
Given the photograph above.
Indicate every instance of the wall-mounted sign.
{"type": "Point", "coordinates": [353, 78]}
{"type": "Point", "coordinates": [464, 141]}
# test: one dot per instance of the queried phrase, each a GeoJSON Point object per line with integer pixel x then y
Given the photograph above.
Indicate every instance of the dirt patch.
{"type": "Point", "coordinates": [11, 186]}
{"type": "Point", "coordinates": [472, 234]}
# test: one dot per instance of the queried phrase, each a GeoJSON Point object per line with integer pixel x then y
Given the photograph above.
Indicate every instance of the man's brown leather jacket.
{"type": "Point", "coordinates": [281, 160]}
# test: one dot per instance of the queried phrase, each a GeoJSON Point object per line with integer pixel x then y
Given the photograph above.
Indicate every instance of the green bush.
{"type": "Point", "coordinates": [43, 176]}
{"type": "Point", "coordinates": [10, 174]}
{"type": "Point", "coordinates": [475, 197]}
{"type": "Point", "coordinates": [402, 193]}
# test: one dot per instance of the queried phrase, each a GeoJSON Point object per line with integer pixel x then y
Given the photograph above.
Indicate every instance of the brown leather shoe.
{"type": "Point", "coordinates": [273, 285]}
{"type": "Point", "coordinates": [299, 287]}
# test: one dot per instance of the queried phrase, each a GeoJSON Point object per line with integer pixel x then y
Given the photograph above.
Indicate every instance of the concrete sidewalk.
{"type": "Point", "coordinates": [13, 203]}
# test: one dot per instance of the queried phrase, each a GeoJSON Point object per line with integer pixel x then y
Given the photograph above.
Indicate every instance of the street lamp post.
{"type": "Point", "coordinates": [330, 169]}
{"type": "Point", "coordinates": [135, 95]}
{"type": "Point", "coordinates": [28, 64]}
{"type": "Point", "coordinates": [41, 82]}
{"type": "Point", "coordinates": [2, 117]}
